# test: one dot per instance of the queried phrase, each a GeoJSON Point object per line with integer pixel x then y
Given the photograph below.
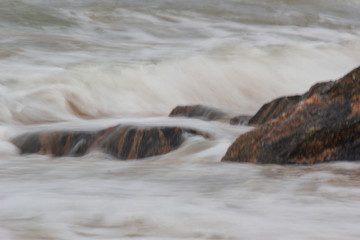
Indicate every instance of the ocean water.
{"type": "Point", "coordinates": [90, 64]}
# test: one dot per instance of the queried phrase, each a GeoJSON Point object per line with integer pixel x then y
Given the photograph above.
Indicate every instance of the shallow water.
{"type": "Point", "coordinates": [179, 195]}
{"type": "Point", "coordinates": [85, 65]}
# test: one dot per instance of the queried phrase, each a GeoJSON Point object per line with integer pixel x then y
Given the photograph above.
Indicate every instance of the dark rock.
{"type": "Point", "coordinates": [122, 142]}
{"type": "Point", "coordinates": [199, 111]}
{"type": "Point", "coordinates": [274, 109]}
{"type": "Point", "coordinates": [240, 120]}
{"type": "Point", "coordinates": [209, 114]}
{"type": "Point", "coordinates": [320, 126]}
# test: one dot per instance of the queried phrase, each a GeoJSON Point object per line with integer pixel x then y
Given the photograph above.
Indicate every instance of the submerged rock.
{"type": "Point", "coordinates": [320, 126]}
{"type": "Point", "coordinates": [199, 111]}
{"type": "Point", "coordinates": [240, 120]}
{"type": "Point", "coordinates": [122, 142]}
{"type": "Point", "coordinates": [208, 113]}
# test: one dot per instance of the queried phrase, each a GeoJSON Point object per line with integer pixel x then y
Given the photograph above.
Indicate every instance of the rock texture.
{"type": "Point", "coordinates": [209, 114]}
{"type": "Point", "coordinates": [274, 109]}
{"type": "Point", "coordinates": [122, 142]}
{"type": "Point", "coordinates": [320, 126]}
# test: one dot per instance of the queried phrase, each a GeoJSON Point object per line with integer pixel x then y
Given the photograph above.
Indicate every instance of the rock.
{"type": "Point", "coordinates": [58, 143]}
{"type": "Point", "coordinates": [209, 114]}
{"type": "Point", "coordinates": [199, 111]}
{"type": "Point", "coordinates": [122, 142]}
{"type": "Point", "coordinates": [240, 120]}
{"type": "Point", "coordinates": [274, 109]}
{"type": "Point", "coordinates": [320, 126]}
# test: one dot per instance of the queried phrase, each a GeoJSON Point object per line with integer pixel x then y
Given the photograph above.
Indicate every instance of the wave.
{"type": "Point", "coordinates": [241, 82]}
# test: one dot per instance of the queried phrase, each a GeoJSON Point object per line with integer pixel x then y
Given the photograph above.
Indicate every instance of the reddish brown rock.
{"type": "Point", "coordinates": [122, 142]}
{"type": "Point", "coordinates": [274, 109]}
{"type": "Point", "coordinates": [320, 126]}
{"type": "Point", "coordinates": [209, 114]}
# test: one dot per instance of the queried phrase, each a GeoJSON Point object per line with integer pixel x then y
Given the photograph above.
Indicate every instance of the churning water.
{"type": "Point", "coordinates": [90, 64]}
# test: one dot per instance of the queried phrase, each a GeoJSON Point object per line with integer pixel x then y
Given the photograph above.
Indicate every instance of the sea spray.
{"type": "Point", "coordinates": [89, 65]}
{"type": "Point", "coordinates": [240, 83]}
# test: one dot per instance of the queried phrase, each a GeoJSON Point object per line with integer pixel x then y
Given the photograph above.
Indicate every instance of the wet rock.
{"type": "Point", "coordinates": [320, 126]}
{"type": "Point", "coordinates": [58, 143]}
{"type": "Point", "coordinates": [122, 142]}
{"type": "Point", "coordinates": [199, 111]}
{"type": "Point", "coordinates": [240, 120]}
{"type": "Point", "coordinates": [209, 114]}
{"type": "Point", "coordinates": [274, 109]}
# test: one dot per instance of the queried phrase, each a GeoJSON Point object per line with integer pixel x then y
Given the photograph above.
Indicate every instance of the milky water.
{"type": "Point", "coordinates": [90, 64]}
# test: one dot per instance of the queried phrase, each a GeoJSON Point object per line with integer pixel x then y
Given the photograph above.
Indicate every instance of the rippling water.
{"type": "Point", "coordinates": [90, 64]}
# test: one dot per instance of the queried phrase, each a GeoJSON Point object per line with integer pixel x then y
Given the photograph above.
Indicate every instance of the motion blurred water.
{"type": "Point", "coordinates": [90, 64]}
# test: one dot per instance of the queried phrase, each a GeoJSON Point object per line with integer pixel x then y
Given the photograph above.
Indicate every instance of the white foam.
{"type": "Point", "coordinates": [241, 83]}
{"type": "Point", "coordinates": [6, 148]}
{"type": "Point", "coordinates": [197, 199]}
{"type": "Point", "coordinates": [130, 62]}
